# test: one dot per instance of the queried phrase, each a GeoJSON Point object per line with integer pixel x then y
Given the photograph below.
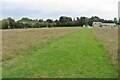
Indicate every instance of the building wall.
{"type": "Point", "coordinates": [96, 25]}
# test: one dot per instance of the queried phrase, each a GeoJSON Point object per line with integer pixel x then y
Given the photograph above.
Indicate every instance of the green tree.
{"type": "Point", "coordinates": [83, 21]}
{"type": "Point", "coordinates": [109, 21]}
{"type": "Point", "coordinates": [5, 24]}
{"type": "Point", "coordinates": [119, 21]}
{"type": "Point", "coordinates": [27, 25]}
{"type": "Point", "coordinates": [40, 20]}
{"type": "Point", "coordinates": [18, 25]}
{"type": "Point", "coordinates": [95, 19]}
{"type": "Point", "coordinates": [65, 21]}
{"type": "Point", "coordinates": [37, 25]}
{"type": "Point", "coordinates": [49, 21]}
{"type": "Point", "coordinates": [57, 23]}
{"type": "Point", "coordinates": [90, 22]}
{"type": "Point", "coordinates": [26, 19]}
{"type": "Point", "coordinates": [115, 20]}
{"type": "Point", "coordinates": [77, 22]}
{"type": "Point", "coordinates": [11, 22]}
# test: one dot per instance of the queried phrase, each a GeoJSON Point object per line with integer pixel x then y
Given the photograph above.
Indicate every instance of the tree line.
{"type": "Point", "coordinates": [63, 21]}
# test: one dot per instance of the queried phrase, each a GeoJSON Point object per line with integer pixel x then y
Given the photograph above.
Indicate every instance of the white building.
{"type": "Point", "coordinates": [97, 24]}
{"type": "Point", "coordinates": [108, 25]}
{"type": "Point", "coordinates": [100, 24]}
{"type": "Point", "coordinates": [87, 26]}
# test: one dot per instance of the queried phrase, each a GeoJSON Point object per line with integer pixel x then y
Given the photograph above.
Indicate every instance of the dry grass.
{"type": "Point", "coordinates": [77, 55]}
{"type": "Point", "coordinates": [109, 38]}
{"type": "Point", "coordinates": [21, 41]}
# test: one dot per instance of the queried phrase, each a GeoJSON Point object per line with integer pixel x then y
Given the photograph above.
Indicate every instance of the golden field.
{"type": "Point", "coordinates": [19, 41]}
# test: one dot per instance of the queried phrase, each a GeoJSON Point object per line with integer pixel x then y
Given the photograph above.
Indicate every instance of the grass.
{"type": "Point", "coordinates": [77, 55]}
{"type": "Point", "coordinates": [0, 24]}
{"type": "Point", "coordinates": [21, 41]}
{"type": "Point", "coordinates": [108, 37]}
{"type": "Point", "coordinates": [0, 54]}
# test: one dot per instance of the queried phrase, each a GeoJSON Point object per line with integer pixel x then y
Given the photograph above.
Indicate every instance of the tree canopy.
{"type": "Point", "coordinates": [63, 21]}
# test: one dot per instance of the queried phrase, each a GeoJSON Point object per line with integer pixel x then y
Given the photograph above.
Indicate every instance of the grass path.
{"type": "Point", "coordinates": [78, 55]}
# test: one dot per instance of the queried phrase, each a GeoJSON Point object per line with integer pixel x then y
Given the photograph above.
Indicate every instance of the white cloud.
{"type": "Point", "coordinates": [104, 8]}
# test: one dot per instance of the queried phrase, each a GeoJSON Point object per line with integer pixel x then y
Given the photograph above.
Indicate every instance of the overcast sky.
{"type": "Point", "coordinates": [37, 9]}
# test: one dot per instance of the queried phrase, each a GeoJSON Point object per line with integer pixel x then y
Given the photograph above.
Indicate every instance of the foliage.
{"type": "Point", "coordinates": [115, 20]}
{"type": "Point", "coordinates": [26, 19]}
{"type": "Point", "coordinates": [119, 21]}
{"type": "Point", "coordinates": [62, 22]}
{"type": "Point", "coordinates": [5, 24]}
{"type": "Point", "coordinates": [65, 21]}
{"type": "Point", "coordinates": [49, 21]}
{"type": "Point", "coordinates": [83, 21]}
{"type": "Point", "coordinates": [109, 21]}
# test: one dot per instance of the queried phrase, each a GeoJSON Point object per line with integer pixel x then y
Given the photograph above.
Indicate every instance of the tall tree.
{"type": "Point", "coordinates": [115, 20]}
{"type": "Point", "coordinates": [119, 21]}
{"type": "Point", "coordinates": [83, 21]}
{"type": "Point", "coordinates": [49, 21]}
{"type": "Point", "coordinates": [65, 21]}
{"type": "Point", "coordinates": [26, 19]}
{"type": "Point", "coordinates": [95, 19]}
{"type": "Point", "coordinates": [5, 24]}
{"type": "Point", "coordinates": [77, 22]}
{"type": "Point", "coordinates": [11, 22]}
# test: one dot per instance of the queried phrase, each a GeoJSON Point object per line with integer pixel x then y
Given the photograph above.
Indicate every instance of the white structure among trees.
{"type": "Point", "coordinates": [100, 24]}
{"type": "Point", "coordinates": [108, 25]}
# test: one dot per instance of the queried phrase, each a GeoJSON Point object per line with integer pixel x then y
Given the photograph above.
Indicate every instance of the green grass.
{"type": "Point", "coordinates": [109, 41]}
{"type": "Point", "coordinates": [78, 55]}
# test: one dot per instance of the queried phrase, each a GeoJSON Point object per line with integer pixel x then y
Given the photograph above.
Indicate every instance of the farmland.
{"type": "Point", "coordinates": [19, 41]}
{"type": "Point", "coordinates": [109, 38]}
{"type": "Point", "coordinates": [60, 53]}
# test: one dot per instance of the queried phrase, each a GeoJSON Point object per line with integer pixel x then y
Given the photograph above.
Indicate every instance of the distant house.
{"type": "Point", "coordinates": [87, 26]}
{"type": "Point", "coordinates": [100, 24]}
{"type": "Point", "coordinates": [23, 22]}
{"type": "Point", "coordinates": [108, 25]}
{"type": "Point", "coordinates": [97, 24]}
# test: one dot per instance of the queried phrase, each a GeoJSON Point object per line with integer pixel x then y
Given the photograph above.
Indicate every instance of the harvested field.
{"type": "Point", "coordinates": [19, 41]}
